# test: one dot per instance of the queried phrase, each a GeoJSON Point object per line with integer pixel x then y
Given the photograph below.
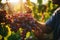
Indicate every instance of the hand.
{"type": "Point", "coordinates": [38, 31]}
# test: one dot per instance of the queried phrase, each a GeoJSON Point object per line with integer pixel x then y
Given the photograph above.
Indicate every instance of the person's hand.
{"type": "Point", "coordinates": [38, 31]}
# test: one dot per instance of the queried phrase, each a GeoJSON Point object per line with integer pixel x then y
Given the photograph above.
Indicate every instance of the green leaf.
{"type": "Point", "coordinates": [14, 36]}
{"type": "Point", "coordinates": [3, 30]}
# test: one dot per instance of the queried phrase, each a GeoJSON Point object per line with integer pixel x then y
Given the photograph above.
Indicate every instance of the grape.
{"type": "Point", "coordinates": [23, 34]}
{"type": "Point", "coordinates": [14, 27]}
{"type": "Point", "coordinates": [2, 16]}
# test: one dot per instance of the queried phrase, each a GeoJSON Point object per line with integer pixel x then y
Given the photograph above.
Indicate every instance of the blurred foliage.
{"type": "Point", "coordinates": [43, 12]}
{"type": "Point", "coordinates": [0, 1]}
{"type": "Point", "coordinates": [3, 31]}
{"type": "Point", "coordinates": [15, 36]}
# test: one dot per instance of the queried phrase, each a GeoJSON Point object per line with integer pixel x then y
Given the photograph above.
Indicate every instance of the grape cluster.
{"type": "Point", "coordinates": [25, 21]}
{"type": "Point", "coordinates": [21, 20]}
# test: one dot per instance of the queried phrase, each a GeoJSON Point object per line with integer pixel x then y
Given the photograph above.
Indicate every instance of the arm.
{"type": "Point", "coordinates": [45, 28]}
{"type": "Point", "coordinates": [42, 29]}
{"type": "Point", "coordinates": [51, 23]}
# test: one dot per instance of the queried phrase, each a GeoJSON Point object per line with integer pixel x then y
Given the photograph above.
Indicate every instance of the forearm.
{"type": "Point", "coordinates": [42, 26]}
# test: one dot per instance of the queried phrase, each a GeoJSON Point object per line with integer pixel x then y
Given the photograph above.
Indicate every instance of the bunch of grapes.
{"type": "Point", "coordinates": [26, 21]}
{"type": "Point", "coordinates": [20, 20]}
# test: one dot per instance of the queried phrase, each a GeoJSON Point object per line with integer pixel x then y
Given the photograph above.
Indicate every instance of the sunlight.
{"type": "Point", "coordinates": [35, 1]}
{"type": "Point", "coordinates": [45, 2]}
{"type": "Point", "coordinates": [24, 0]}
{"type": "Point", "coordinates": [16, 1]}
{"type": "Point", "coordinates": [11, 1]}
{"type": "Point", "coordinates": [3, 1]}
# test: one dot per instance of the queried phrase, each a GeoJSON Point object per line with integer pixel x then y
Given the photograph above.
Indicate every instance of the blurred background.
{"type": "Point", "coordinates": [41, 11]}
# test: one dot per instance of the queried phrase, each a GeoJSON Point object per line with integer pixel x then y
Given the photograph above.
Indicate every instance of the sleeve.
{"type": "Point", "coordinates": [51, 22]}
{"type": "Point", "coordinates": [54, 20]}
